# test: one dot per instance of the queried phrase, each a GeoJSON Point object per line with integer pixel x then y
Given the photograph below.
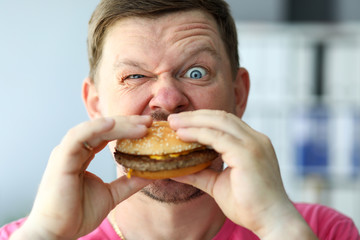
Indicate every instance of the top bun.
{"type": "Point", "coordinates": [160, 140]}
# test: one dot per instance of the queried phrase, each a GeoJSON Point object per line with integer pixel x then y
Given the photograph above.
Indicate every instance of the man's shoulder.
{"type": "Point", "coordinates": [8, 229]}
{"type": "Point", "coordinates": [326, 222]}
{"type": "Point", "coordinates": [102, 232]}
{"type": "Point", "coordinates": [318, 212]}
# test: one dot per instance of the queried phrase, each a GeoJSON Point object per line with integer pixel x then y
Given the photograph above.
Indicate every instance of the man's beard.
{"type": "Point", "coordinates": [172, 192]}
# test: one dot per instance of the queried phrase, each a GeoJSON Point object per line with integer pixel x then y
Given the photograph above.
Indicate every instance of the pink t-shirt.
{"type": "Point", "coordinates": [326, 223]}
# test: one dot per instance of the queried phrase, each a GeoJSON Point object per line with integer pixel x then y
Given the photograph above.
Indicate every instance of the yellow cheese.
{"type": "Point", "coordinates": [128, 174]}
{"type": "Point", "coordinates": [171, 155]}
{"type": "Point", "coordinates": [157, 157]}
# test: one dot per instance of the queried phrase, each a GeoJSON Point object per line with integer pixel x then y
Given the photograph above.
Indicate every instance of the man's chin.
{"type": "Point", "coordinates": [172, 192]}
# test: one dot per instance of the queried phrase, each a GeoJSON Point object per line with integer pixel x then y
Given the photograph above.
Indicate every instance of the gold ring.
{"type": "Point", "coordinates": [87, 146]}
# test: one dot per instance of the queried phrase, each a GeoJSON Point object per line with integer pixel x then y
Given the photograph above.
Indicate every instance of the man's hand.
{"type": "Point", "coordinates": [249, 191]}
{"type": "Point", "coordinates": [72, 202]}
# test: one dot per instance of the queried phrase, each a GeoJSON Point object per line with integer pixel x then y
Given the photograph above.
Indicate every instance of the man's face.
{"type": "Point", "coordinates": [171, 64]}
{"type": "Point", "coordinates": [165, 65]}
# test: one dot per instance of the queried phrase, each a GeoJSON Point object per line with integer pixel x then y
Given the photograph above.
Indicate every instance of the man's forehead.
{"type": "Point", "coordinates": [194, 32]}
{"type": "Point", "coordinates": [176, 21]}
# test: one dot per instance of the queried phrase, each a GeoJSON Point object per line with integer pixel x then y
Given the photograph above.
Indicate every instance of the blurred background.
{"type": "Point", "coordinates": [304, 61]}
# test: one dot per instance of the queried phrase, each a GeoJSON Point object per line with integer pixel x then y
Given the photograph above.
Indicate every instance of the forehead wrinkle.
{"type": "Point", "coordinates": [191, 30]}
{"type": "Point", "coordinates": [200, 33]}
{"type": "Point", "coordinates": [200, 25]}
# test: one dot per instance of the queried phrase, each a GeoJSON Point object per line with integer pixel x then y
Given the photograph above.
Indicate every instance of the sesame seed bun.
{"type": "Point", "coordinates": [160, 140]}
{"type": "Point", "coordinates": [161, 154]}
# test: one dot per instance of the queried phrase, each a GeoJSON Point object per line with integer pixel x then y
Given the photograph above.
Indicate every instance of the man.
{"type": "Point", "coordinates": [175, 61]}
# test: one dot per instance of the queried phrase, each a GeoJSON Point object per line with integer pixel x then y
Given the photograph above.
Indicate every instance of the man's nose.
{"type": "Point", "coordinates": [168, 95]}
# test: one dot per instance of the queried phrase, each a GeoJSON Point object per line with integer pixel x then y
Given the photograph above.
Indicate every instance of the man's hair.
{"type": "Point", "coordinates": [110, 11]}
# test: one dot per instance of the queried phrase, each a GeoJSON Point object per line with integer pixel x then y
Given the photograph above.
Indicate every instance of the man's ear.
{"type": "Point", "coordinates": [91, 98]}
{"type": "Point", "coordinates": [242, 88]}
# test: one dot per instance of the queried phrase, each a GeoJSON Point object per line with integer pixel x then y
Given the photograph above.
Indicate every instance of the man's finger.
{"type": "Point", "coordinates": [124, 187]}
{"type": "Point", "coordinates": [203, 180]}
{"type": "Point", "coordinates": [82, 142]}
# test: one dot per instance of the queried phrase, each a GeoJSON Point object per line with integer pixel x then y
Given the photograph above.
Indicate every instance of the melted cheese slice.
{"type": "Point", "coordinates": [173, 155]}
{"type": "Point", "coordinates": [128, 174]}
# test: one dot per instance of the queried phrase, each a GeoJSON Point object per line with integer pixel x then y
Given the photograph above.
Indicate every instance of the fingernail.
{"type": "Point", "coordinates": [173, 117]}
{"type": "Point", "coordinates": [173, 121]}
{"type": "Point", "coordinates": [140, 128]}
{"type": "Point", "coordinates": [108, 121]}
{"type": "Point", "coordinates": [144, 118]}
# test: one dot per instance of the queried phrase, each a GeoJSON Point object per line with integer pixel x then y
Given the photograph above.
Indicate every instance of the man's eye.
{"type": "Point", "coordinates": [196, 73]}
{"type": "Point", "coordinates": [135, 76]}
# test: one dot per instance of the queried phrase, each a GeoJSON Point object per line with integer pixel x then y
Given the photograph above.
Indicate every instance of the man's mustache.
{"type": "Point", "coordinates": [159, 116]}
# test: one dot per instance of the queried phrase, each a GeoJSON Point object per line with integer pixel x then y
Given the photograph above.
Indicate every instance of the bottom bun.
{"type": "Point", "coordinates": [169, 173]}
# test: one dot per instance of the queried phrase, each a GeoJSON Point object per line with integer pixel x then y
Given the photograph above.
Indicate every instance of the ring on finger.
{"type": "Point", "coordinates": [87, 146]}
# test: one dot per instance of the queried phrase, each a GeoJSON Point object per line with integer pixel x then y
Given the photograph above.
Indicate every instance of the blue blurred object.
{"type": "Point", "coordinates": [312, 149]}
{"type": "Point", "coordinates": [356, 146]}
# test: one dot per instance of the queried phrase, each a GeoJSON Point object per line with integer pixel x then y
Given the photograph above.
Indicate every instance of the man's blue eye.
{"type": "Point", "coordinates": [195, 73]}
{"type": "Point", "coordinates": [135, 76]}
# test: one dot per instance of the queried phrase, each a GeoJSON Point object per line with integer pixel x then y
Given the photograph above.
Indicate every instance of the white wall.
{"type": "Point", "coordinates": [43, 61]}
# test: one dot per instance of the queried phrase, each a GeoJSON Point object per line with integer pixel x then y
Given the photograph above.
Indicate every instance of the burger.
{"type": "Point", "coordinates": [161, 154]}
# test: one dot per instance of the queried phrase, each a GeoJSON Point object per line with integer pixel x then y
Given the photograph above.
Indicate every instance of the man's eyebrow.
{"type": "Point", "coordinates": [128, 62]}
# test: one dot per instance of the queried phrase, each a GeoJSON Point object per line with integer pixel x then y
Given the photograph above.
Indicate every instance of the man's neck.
{"type": "Point", "coordinates": [141, 217]}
